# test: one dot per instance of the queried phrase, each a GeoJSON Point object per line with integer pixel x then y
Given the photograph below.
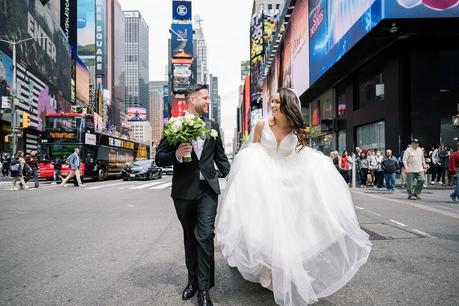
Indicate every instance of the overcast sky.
{"type": "Point", "coordinates": [226, 29]}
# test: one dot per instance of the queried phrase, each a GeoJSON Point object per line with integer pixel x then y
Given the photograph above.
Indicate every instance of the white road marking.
{"type": "Point", "coordinates": [423, 207]}
{"type": "Point", "coordinates": [374, 213]}
{"type": "Point", "coordinates": [144, 186]}
{"type": "Point", "coordinates": [103, 186]}
{"type": "Point", "coordinates": [131, 205]}
{"type": "Point", "coordinates": [397, 222]}
{"type": "Point", "coordinates": [162, 186]}
{"type": "Point", "coordinates": [423, 233]}
{"type": "Point", "coordinates": [126, 187]}
{"type": "Point", "coordinates": [358, 207]}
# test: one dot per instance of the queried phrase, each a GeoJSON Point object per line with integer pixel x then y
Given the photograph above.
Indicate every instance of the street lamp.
{"type": "Point", "coordinates": [14, 93]}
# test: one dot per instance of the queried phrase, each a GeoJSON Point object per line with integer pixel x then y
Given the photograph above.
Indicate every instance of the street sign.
{"type": "Point", "coordinates": [6, 103]}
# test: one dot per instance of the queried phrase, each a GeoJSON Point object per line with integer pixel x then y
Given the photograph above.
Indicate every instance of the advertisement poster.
{"type": "Point", "coordinates": [86, 24]}
{"type": "Point", "coordinates": [49, 57]}
{"type": "Point", "coordinates": [178, 105]}
{"type": "Point", "coordinates": [182, 40]}
{"type": "Point", "coordinates": [6, 74]}
{"type": "Point", "coordinates": [82, 83]}
{"type": "Point", "coordinates": [181, 10]}
{"type": "Point", "coordinates": [181, 75]}
{"type": "Point", "coordinates": [299, 44]}
{"type": "Point", "coordinates": [136, 113]}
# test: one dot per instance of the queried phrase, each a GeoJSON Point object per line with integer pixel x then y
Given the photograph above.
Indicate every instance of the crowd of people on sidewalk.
{"type": "Point", "coordinates": [415, 166]}
{"type": "Point", "coordinates": [23, 168]}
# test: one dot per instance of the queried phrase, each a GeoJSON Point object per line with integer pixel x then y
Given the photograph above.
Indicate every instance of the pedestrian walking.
{"type": "Point", "coordinates": [371, 167]}
{"type": "Point", "coordinates": [454, 170]}
{"type": "Point", "coordinates": [57, 164]}
{"type": "Point", "coordinates": [32, 161]}
{"type": "Point", "coordinates": [74, 163]}
{"type": "Point", "coordinates": [414, 162]}
{"type": "Point", "coordinates": [390, 167]}
{"type": "Point", "coordinates": [6, 161]}
{"type": "Point", "coordinates": [436, 164]}
{"type": "Point", "coordinates": [345, 166]}
{"type": "Point", "coordinates": [17, 168]}
{"type": "Point", "coordinates": [444, 157]}
{"type": "Point", "coordinates": [358, 177]}
{"type": "Point", "coordinates": [378, 170]}
{"type": "Point", "coordinates": [363, 170]}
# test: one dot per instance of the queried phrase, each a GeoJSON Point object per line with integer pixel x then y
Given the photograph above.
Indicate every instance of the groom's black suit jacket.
{"type": "Point", "coordinates": [185, 181]}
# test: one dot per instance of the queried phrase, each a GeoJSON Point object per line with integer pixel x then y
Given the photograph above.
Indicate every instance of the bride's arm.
{"type": "Point", "coordinates": [258, 130]}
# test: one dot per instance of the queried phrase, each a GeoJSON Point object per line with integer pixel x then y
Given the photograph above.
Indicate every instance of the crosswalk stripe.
{"type": "Point", "coordinates": [103, 186]}
{"type": "Point", "coordinates": [126, 187]}
{"type": "Point", "coordinates": [144, 186]}
{"type": "Point", "coordinates": [162, 186]}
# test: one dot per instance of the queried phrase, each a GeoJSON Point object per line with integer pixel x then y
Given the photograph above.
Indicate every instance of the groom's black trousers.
{"type": "Point", "coordinates": [198, 222]}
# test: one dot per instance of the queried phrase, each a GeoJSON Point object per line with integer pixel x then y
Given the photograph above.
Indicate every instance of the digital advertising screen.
{"type": "Point", "coordinates": [182, 40]}
{"type": "Point", "coordinates": [136, 113]}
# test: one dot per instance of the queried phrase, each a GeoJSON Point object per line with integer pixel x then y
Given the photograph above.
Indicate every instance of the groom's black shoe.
{"type": "Point", "coordinates": [204, 298]}
{"type": "Point", "coordinates": [189, 291]}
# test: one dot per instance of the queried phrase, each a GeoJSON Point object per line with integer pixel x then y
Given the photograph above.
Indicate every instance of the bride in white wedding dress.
{"type": "Point", "coordinates": [287, 220]}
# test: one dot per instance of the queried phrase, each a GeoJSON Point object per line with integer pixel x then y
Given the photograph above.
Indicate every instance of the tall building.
{"type": "Point", "coordinates": [136, 55]}
{"type": "Point", "coordinates": [118, 111]}
{"type": "Point", "coordinates": [156, 108]}
{"type": "Point", "coordinates": [141, 131]}
{"type": "Point", "coordinates": [215, 107]}
{"type": "Point", "coordinates": [200, 52]}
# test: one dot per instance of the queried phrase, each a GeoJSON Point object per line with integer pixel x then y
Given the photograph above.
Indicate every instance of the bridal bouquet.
{"type": "Point", "coordinates": [186, 129]}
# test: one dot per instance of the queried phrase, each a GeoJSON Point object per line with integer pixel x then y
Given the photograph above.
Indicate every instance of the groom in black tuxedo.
{"type": "Point", "coordinates": [195, 191]}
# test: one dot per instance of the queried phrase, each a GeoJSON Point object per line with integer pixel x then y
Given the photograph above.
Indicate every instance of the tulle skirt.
{"type": "Point", "coordinates": [289, 224]}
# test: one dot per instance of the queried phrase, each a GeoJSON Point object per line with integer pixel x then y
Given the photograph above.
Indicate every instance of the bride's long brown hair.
{"type": "Point", "coordinates": [290, 107]}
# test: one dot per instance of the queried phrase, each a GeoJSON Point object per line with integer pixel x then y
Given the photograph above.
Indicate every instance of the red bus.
{"type": "Point", "coordinates": [102, 155]}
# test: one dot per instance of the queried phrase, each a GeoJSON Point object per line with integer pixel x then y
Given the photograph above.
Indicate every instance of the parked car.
{"type": "Point", "coordinates": [168, 170]}
{"type": "Point", "coordinates": [142, 169]}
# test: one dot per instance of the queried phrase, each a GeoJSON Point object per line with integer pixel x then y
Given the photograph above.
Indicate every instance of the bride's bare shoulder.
{"type": "Point", "coordinates": [258, 129]}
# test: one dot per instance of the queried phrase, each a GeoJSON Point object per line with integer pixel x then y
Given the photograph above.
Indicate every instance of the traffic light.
{"type": "Point", "coordinates": [25, 120]}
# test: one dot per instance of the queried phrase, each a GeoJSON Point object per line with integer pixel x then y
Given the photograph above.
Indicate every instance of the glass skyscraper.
{"type": "Point", "coordinates": [136, 54]}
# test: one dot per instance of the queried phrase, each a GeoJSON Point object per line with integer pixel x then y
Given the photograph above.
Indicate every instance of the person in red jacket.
{"type": "Point", "coordinates": [453, 168]}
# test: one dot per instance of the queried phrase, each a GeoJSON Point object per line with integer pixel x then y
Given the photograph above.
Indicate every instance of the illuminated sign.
{"type": "Point", "coordinates": [142, 152]}
{"type": "Point", "coordinates": [65, 135]}
{"type": "Point", "coordinates": [120, 143]}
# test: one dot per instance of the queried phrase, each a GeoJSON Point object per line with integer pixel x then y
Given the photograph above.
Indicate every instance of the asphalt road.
{"type": "Point", "coordinates": [119, 243]}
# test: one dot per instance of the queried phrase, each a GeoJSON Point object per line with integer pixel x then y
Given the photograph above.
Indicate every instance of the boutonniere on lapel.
{"type": "Point", "coordinates": [213, 133]}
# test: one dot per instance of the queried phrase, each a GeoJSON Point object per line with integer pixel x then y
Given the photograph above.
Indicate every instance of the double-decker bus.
{"type": "Point", "coordinates": [102, 155]}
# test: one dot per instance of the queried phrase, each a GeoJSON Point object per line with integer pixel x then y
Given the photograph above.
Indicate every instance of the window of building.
{"type": "Point", "coordinates": [371, 136]}
{"type": "Point", "coordinates": [270, 6]}
{"type": "Point", "coordinates": [340, 101]}
{"type": "Point", "coordinates": [277, 6]}
{"type": "Point", "coordinates": [370, 83]}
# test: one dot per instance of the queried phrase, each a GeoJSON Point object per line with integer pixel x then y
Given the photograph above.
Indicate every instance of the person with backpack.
{"type": "Point", "coordinates": [32, 161]}
{"type": "Point", "coordinates": [17, 168]}
{"type": "Point", "coordinates": [6, 165]}
{"type": "Point", "coordinates": [74, 163]}
{"type": "Point", "coordinates": [390, 167]}
{"type": "Point", "coordinates": [444, 155]}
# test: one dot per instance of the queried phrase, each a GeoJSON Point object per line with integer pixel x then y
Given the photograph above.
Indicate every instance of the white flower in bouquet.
{"type": "Point", "coordinates": [213, 133]}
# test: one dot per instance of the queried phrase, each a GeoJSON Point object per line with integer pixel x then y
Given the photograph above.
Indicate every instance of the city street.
{"type": "Point", "coordinates": [120, 243]}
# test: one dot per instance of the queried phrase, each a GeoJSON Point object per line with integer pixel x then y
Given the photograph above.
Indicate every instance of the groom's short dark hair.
{"type": "Point", "coordinates": [191, 90]}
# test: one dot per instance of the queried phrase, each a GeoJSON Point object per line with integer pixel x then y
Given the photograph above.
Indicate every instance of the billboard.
{"type": "Point", "coordinates": [298, 70]}
{"type": "Point", "coordinates": [181, 10]}
{"type": "Point", "coordinates": [182, 40]}
{"type": "Point", "coordinates": [100, 37]}
{"type": "Point", "coordinates": [6, 74]}
{"type": "Point", "coordinates": [335, 26]}
{"type": "Point", "coordinates": [245, 69]}
{"type": "Point", "coordinates": [82, 83]}
{"type": "Point", "coordinates": [86, 29]}
{"type": "Point", "coordinates": [68, 11]}
{"type": "Point", "coordinates": [136, 113]}
{"type": "Point", "coordinates": [167, 104]}
{"type": "Point", "coordinates": [178, 105]}
{"type": "Point", "coordinates": [181, 77]}
{"type": "Point", "coordinates": [50, 57]}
